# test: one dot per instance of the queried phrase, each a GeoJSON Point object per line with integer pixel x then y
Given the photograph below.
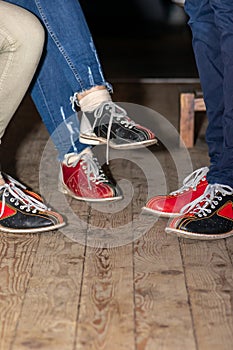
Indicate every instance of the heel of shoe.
{"type": "Point", "coordinates": [61, 186]}
{"type": "Point", "coordinates": [88, 140]}
{"type": "Point", "coordinates": [62, 189]}
{"type": "Point", "coordinates": [85, 125]}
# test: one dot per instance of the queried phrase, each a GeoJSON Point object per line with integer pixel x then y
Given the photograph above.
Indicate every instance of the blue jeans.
{"type": "Point", "coordinates": [69, 65]}
{"type": "Point", "coordinates": [211, 22]}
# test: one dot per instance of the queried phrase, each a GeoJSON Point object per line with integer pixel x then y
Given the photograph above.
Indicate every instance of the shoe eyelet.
{"type": "Point", "coordinates": [12, 200]}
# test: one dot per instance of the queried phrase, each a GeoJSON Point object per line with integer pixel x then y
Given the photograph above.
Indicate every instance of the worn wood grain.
{"type": "Point", "coordinates": [106, 314]}
{"type": "Point", "coordinates": [17, 254]}
{"type": "Point", "coordinates": [163, 316]}
{"type": "Point", "coordinates": [107, 303]}
{"type": "Point", "coordinates": [48, 317]}
{"type": "Point", "coordinates": [209, 276]}
{"type": "Point", "coordinates": [114, 280]}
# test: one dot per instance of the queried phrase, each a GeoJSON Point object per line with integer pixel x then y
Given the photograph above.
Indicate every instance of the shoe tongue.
{"type": "Point", "coordinates": [70, 158]}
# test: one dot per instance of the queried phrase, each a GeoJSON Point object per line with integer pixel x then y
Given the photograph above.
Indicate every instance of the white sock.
{"type": "Point", "coordinates": [91, 101]}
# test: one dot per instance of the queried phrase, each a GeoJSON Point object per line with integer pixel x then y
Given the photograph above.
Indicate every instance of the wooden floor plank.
{"type": "Point", "coordinates": [48, 317]}
{"type": "Point", "coordinates": [132, 287]}
{"type": "Point", "coordinates": [107, 312]}
{"type": "Point", "coordinates": [163, 318]}
{"type": "Point", "coordinates": [162, 311]}
{"type": "Point", "coordinates": [107, 304]}
{"type": "Point", "coordinates": [17, 254]}
{"type": "Point", "coordinates": [209, 276]}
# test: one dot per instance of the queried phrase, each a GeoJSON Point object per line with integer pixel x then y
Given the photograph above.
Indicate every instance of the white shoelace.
{"type": "Point", "coordinates": [15, 182]}
{"type": "Point", "coordinates": [91, 168]}
{"type": "Point", "coordinates": [116, 112]}
{"type": "Point", "coordinates": [21, 199]}
{"type": "Point", "coordinates": [209, 200]}
{"type": "Point", "coordinates": [192, 180]}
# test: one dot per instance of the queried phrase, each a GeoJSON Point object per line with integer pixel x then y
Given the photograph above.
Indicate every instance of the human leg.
{"type": "Point", "coordinates": [211, 215]}
{"type": "Point", "coordinates": [207, 51]}
{"type": "Point", "coordinates": [211, 24]}
{"type": "Point", "coordinates": [51, 93]}
{"type": "Point", "coordinates": [222, 171]}
{"type": "Point", "coordinates": [71, 61]}
{"type": "Point", "coordinates": [71, 44]}
{"type": "Point", "coordinates": [58, 79]}
{"type": "Point", "coordinates": [21, 43]}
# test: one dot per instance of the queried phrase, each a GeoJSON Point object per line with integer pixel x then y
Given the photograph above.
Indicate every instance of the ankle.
{"type": "Point", "coordinates": [93, 99]}
{"type": "Point", "coordinates": [87, 92]}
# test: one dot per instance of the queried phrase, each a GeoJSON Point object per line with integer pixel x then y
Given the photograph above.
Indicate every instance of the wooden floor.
{"type": "Point", "coordinates": [113, 282]}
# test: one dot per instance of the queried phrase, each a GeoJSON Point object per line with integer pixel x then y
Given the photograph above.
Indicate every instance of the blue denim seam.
{"type": "Point", "coordinates": [59, 46]}
{"type": "Point", "coordinates": [66, 56]}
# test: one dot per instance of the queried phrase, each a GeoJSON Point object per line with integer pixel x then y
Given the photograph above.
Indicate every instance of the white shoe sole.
{"type": "Point", "coordinates": [146, 210]}
{"type": "Point", "coordinates": [31, 230]}
{"type": "Point", "coordinates": [62, 188]}
{"type": "Point", "coordinates": [197, 236]}
{"type": "Point", "coordinates": [91, 140]}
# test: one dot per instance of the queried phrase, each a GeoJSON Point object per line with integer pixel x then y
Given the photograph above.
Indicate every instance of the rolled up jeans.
{"type": "Point", "coordinates": [21, 45]}
{"type": "Point", "coordinates": [69, 65]}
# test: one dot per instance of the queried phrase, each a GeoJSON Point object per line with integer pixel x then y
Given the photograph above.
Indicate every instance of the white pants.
{"type": "Point", "coordinates": [21, 43]}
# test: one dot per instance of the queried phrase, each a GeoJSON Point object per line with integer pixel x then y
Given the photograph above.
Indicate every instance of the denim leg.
{"type": "Point", "coordinates": [223, 11]}
{"type": "Point", "coordinates": [211, 22]}
{"type": "Point", "coordinates": [70, 65]}
{"type": "Point", "coordinates": [69, 40]}
{"type": "Point", "coordinates": [206, 46]}
{"type": "Point", "coordinates": [51, 94]}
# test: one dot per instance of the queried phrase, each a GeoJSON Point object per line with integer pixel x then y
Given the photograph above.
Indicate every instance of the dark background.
{"type": "Point", "coordinates": [141, 38]}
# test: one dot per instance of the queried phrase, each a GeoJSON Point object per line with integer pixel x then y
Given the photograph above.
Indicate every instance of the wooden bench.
{"type": "Point", "coordinates": [189, 104]}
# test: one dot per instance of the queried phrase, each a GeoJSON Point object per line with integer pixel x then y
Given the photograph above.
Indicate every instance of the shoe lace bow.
{"type": "Point", "coordinates": [191, 181]}
{"type": "Point", "coordinates": [116, 113]}
{"type": "Point", "coordinates": [18, 197]}
{"type": "Point", "coordinates": [202, 205]}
